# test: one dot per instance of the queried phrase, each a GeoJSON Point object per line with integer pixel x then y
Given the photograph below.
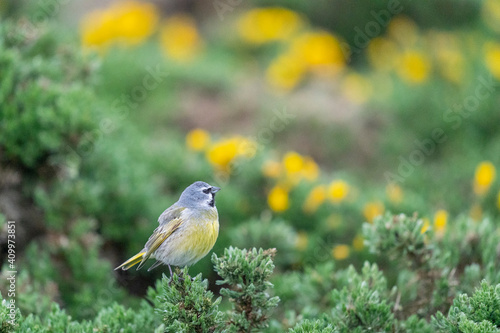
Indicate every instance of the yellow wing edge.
{"type": "Point", "coordinates": [132, 261]}
{"type": "Point", "coordinates": [158, 238]}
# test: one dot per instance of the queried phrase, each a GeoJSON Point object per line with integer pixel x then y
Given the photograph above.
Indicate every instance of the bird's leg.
{"type": "Point", "coordinates": [171, 276]}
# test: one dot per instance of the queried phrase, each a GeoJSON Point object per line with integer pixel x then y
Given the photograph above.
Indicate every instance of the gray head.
{"type": "Point", "coordinates": [199, 195]}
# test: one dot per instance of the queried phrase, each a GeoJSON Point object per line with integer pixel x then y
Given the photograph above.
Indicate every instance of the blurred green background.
{"type": "Point", "coordinates": [313, 117]}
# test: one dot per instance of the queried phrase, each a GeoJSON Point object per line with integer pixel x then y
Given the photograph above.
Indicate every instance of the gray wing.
{"type": "Point", "coordinates": [169, 222]}
{"type": "Point", "coordinates": [170, 213]}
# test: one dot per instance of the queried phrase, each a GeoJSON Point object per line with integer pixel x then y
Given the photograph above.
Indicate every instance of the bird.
{"type": "Point", "coordinates": [187, 231]}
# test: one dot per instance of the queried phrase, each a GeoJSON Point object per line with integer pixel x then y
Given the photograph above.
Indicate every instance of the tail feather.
{"type": "Point", "coordinates": [132, 261]}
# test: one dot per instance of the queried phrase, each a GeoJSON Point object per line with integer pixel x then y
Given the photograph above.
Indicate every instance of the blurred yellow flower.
{"type": "Point", "coordinates": [372, 210]}
{"type": "Point", "coordinates": [491, 14]}
{"type": "Point", "coordinates": [262, 25]}
{"type": "Point", "coordinates": [320, 52]}
{"type": "Point", "coordinates": [302, 241]}
{"type": "Point", "coordinates": [285, 72]}
{"type": "Point", "coordinates": [358, 243]}
{"type": "Point", "coordinates": [315, 198]}
{"type": "Point", "coordinates": [126, 22]}
{"type": "Point", "coordinates": [340, 252]}
{"type": "Point", "coordinates": [197, 139]}
{"type": "Point", "coordinates": [451, 65]}
{"type": "Point", "coordinates": [246, 147]}
{"type": "Point", "coordinates": [414, 67]}
{"type": "Point", "coordinates": [338, 191]}
{"type": "Point", "coordinates": [394, 193]}
{"type": "Point", "coordinates": [298, 167]}
{"type": "Point", "coordinates": [271, 169]}
{"type": "Point", "coordinates": [403, 30]}
{"type": "Point", "coordinates": [277, 199]}
{"type": "Point", "coordinates": [440, 221]}
{"type": "Point", "coordinates": [310, 169]}
{"type": "Point", "coordinates": [293, 162]}
{"type": "Point", "coordinates": [220, 154]}
{"type": "Point", "coordinates": [447, 48]}
{"type": "Point", "coordinates": [356, 88]}
{"type": "Point", "coordinates": [476, 212]}
{"type": "Point", "coordinates": [426, 226]}
{"type": "Point", "coordinates": [382, 53]}
{"type": "Point", "coordinates": [180, 39]}
{"type": "Point", "coordinates": [492, 57]}
{"type": "Point", "coordinates": [484, 177]}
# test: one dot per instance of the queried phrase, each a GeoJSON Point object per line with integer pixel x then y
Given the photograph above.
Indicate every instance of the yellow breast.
{"type": "Point", "coordinates": [200, 235]}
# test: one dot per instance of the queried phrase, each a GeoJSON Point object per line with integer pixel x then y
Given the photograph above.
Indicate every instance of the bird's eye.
{"type": "Point", "coordinates": [206, 191]}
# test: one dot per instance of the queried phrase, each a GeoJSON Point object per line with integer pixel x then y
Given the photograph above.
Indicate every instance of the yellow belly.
{"type": "Point", "coordinates": [192, 242]}
{"type": "Point", "coordinates": [200, 238]}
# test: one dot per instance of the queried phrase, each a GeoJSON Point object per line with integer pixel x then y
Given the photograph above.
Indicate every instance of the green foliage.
{"type": "Point", "coordinates": [46, 108]}
{"type": "Point", "coordinates": [364, 303]}
{"type": "Point", "coordinates": [185, 304]}
{"type": "Point", "coordinates": [305, 294]}
{"type": "Point", "coordinates": [117, 318]}
{"type": "Point", "coordinates": [267, 234]}
{"type": "Point", "coordinates": [98, 171]}
{"type": "Point", "coordinates": [477, 313]}
{"type": "Point", "coordinates": [111, 319]}
{"type": "Point", "coordinates": [312, 326]}
{"type": "Point", "coordinates": [9, 316]}
{"type": "Point", "coordinates": [399, 235]}
{"type": "Point", "coordinates": [86, 279]}
{"type": "Point", "coordinates": [247, 273]}
{"type": "Point", "coordinates": [434, 270]}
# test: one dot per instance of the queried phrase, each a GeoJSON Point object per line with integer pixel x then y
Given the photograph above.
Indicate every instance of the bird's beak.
{"type": "Point", "coordinates": [215, 189]}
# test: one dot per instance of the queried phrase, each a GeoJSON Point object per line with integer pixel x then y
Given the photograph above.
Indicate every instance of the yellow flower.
{"type": "Point", "coordinates": [197, 139]}
{"type": "Point", "coordinates": [451, 65]}
{"type": "Point", "coordinates": [278, 199]}
{"type": "Point", "coordinates": [310, 170]}
{"type": "Point", "coordinates": [403, 30]}
{"type": "Point", "coordinates": [358, 243]}
{"type": "Point", "coordinates": [271, 169]}
{"type": "Point", "coordinates": [285, 72]}
{"type": "Point", "coordinates": [491, 14]}
{"type": "Point", "coordinates": [315, 198]}
{"type": "Point", "coordinates": [476, 212]}
{"type": "Point", "coordinates": [492, 58]}
{"type": "Point", "coordinates": [246, 147]}
{"type": "Point", "coordinates": [356, 88]}
{"type": "Point", "coordinates": [180, 39]}
{"type": "Point", "coordinates": [338, 190]}
{"type": "Point", "coordinates": [340, 252]}
{"type": "Point", "coordinates": [127, 22]}
{"type": "Point", "coordinates": [394, 193]}
{"type": "Point", "coordinates": [293, 162]}
{"type": "Point", "coordinates": [447, 49]}
{"type": "Point", "coordinates": [302, 241]}
{"type": "Point", "coordinates": [372, 210]}
{"type": "Point", "coordinates": [220, 154]}
{"type": "Point", "coordinates": [263, 25]}
{"type": "Point", "coordinates": [414, 67]}
{"type": "Point", "coordinates": [320, 52]}
{"type": "Point", "coordinates": [440, 221]}
{"type": "Point", "coordinates": [382, 53]}
{"type": "Point", "coordinates": [426, 226]}
{"type": "Point", "coordinates": [484, 177]}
